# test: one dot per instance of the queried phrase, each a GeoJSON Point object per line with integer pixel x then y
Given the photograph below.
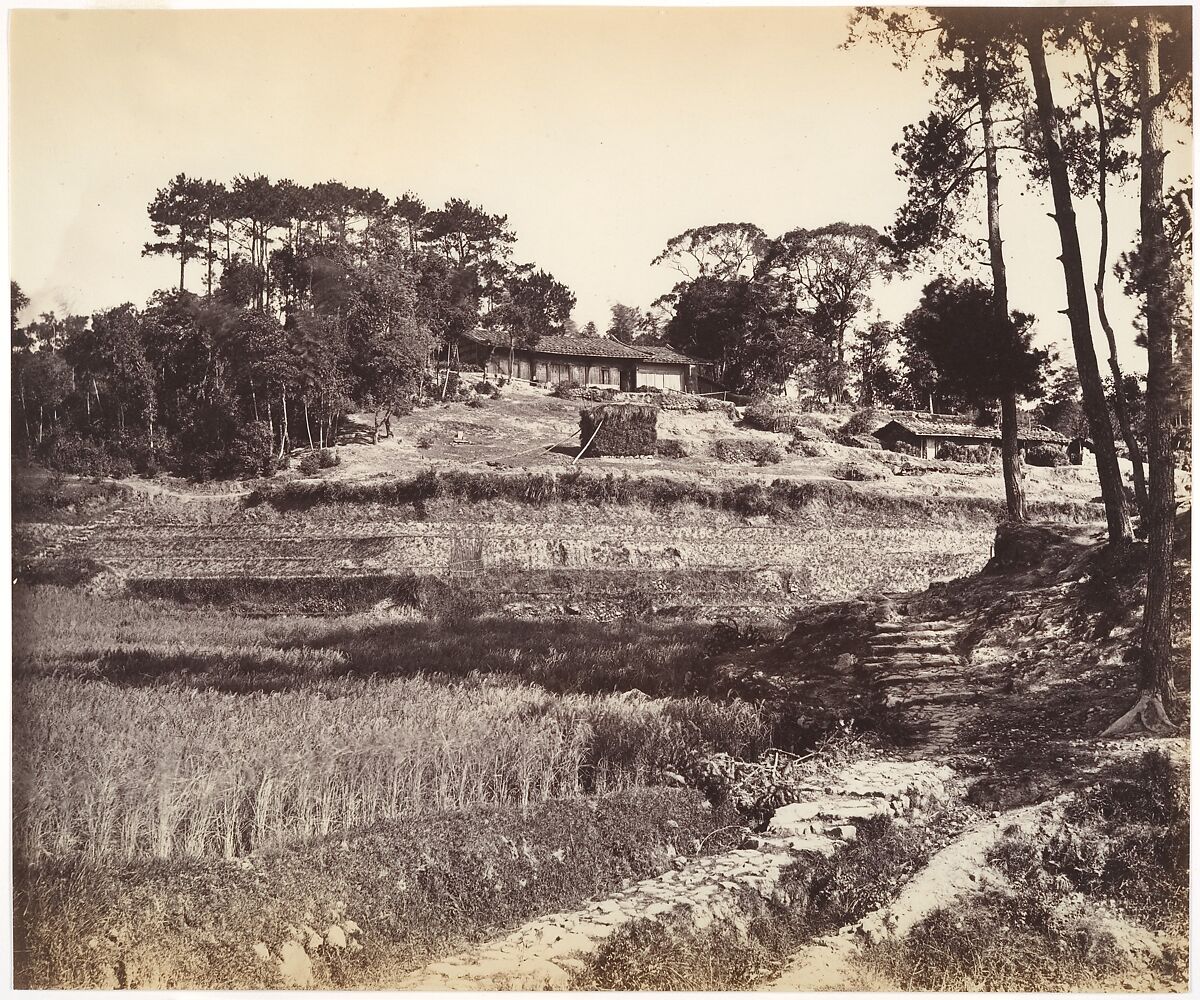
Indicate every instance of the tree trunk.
{"type": "Point", "coordinates": [284, 437]}
{"type": "Point", "coordinates": [1094, 404]}
{"type": "Point", "coordinates": [1010, 456]}
{"type": "Point", "coordinates": [1155, 681]}
{"type": "Point", "coordinates": [1122, 411]}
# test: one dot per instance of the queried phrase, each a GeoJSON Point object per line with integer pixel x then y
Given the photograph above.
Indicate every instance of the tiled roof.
{"type": "Point", "coordinates": [669, 354]}
{"type": "Point", "coordinates": [587, 347]}
{"type": "Point", "coordinates": [942, 425]}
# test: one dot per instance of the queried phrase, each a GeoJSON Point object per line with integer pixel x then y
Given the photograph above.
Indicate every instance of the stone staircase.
{"type": "Point", "coordinates": [545, 953]}
{"type": "Point", "coordinates": [920, 680]}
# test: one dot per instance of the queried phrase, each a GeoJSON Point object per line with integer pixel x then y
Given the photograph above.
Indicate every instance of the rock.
{"type": "Point", "coordinates": [335, 937]}
{"type": "Point", "coordinates": [844, 832]}
{"type": "Point", "coordinates": [261, 951]}
{"type": "Point", "coordinates": [295, 967]}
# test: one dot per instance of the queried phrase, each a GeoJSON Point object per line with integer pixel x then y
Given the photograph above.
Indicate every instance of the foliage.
{"type": "Point", "coordinates": [1047, 455]}
{"type": "Point", "coordinates": [315, 300]}
{"type": "Point", "coordinates": [971, 354]}
{"type": "Point", "coordinates": [774, 413]}
{"type": "Point", "coordinates": [970, 454]}
{"type": "Point", "coordinates": [743, 450]}
{"type": "Point", "coordinates": [672, 448]}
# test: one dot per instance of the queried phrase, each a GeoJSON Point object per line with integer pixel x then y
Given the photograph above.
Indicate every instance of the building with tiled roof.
{"type": "Point", "coordinates": [585, 360]}
{"type": "Point", "coordinates": [926, 432]}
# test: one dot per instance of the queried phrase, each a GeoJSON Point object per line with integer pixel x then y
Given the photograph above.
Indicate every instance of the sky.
{"type": "Point", "coordinates": [600, 133]}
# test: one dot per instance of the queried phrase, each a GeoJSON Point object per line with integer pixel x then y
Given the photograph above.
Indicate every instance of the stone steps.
{"type": "Point", "coordinates": [546, 952]}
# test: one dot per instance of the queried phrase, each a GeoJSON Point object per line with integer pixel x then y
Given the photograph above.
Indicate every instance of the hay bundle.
{"type": "Point", "coordinates": [619, 429]}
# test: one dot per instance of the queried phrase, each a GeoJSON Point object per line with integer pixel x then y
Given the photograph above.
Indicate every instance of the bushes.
{"type": "Point", "coordinates": [742, 450]}
{"type": "Point", "coordinates": [619, 429]}
{"type": "Point", "coordinates": [450, 603]}
{"type": "Point", "coordinates": [330, 458]}
{"type": "Point", "coordinates": [858, 472]}
{"type": "Point", "coordinates": [981, 454]}
{"type": "Point", "coordinates": [672, 448]}
{"type": "Point", "coordinates": [774, 413]}
{"type": "Point", "coordinates": [864, 422]}
{"type": "Point", "coordinates": [1046, 455]}
{"type": "Point", "coordinates": [566, 390]}
{"type": "Point", "coordinates": [310, 464]}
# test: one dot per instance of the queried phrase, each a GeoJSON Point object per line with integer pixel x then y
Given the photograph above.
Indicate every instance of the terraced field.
{"type": "Point", "coordinates": [553, 565]}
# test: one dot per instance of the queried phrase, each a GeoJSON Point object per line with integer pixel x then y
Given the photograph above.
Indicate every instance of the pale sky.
{"type": "Point", "coordinates": [601, 133]}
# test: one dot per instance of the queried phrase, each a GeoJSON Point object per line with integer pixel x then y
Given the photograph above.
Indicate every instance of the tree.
{"type": "Point", "coordinates": [1111, 487]}
{"type": "Point", "coordinates": [830, 272]}
{"type": "Point", "coordinates": [625, 323]}
{"type": "Point", "coordinates": [1062, 409]}
{"type": "Point", "coordinates": [749, 329]}
{"type": "Point", "coordinates": [1094, 153]}
{"type": "Point", "coordinates": [1156, 683]}
{"type": "Point", "coordinates": [726, 250]}
{"type": "Point", "coordinates": [18, 301]}
{"type": "Point", "coordinates": [877, 381]}
{"type": "Point", "coordinates": [177, 216]}
{"type": "Point", "coordinates": [943, 156]}
{"type": "Point", "coordinates": [975, 356]}
{"type": "Point", "coordinates": [589, 330]}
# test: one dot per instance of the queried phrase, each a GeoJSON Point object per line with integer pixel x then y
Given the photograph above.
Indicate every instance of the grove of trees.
{"type": "Point", "coordinates": [303, 302]}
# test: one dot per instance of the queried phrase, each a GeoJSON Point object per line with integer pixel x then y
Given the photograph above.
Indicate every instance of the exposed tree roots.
{"type": "Point", "coordinates": [1147, 716]}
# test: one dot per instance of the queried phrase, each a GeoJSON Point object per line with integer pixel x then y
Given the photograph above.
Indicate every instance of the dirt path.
{"type": "Point", "coordinates": [544, 953]}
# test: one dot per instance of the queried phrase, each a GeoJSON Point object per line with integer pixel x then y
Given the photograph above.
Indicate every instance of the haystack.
{"type": "Point", "coordinates": [619, 429]}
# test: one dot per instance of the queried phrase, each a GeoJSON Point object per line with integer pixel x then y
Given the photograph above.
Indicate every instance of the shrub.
{"type": "Point", "coordinates": [981, 454]}
{"type": "Point", "coordinates": [310, 463]}
{"type": "Point", "coordinates": [448, 603]}
{"type": "Point", "coordinates": [806, 432]}
{"type": "Point", "coordinates": [708, 404]}
{"type": "Point", "coordinates": [475, 402]}
{"type": "Point", "coordinates": [426, 439]}
{"type": "Point", "coordinates": [252, 452]}
{"type": "Point", "coordinates": [1046, 455]}
{"type": "Point", "coordinates": [672, 448]}
{"type": "Point", "coordinates": [330, 458]}
{"type": "Point", "coordinates": [566, 390]}
{"type": "Point", "coordinates": [858, 472]}
{"type": "Point", "coordinates": [771, 453]}
{"type": "Point", "coordinates": [743, 450]}
{"type": "Point", "coordinates": [902, 448]}
{"type": "Point", "coordinates": [619, 429]}
{"type": "Point", "coordinates": [774, 413]}
{"type": "Point", "coordinates": [864, 422]}
{"type": "Point", "coordinates": [808, 449]}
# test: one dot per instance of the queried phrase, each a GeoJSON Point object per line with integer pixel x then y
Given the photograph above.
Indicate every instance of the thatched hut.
{"type": "Point", "coordinates": [619, 429]}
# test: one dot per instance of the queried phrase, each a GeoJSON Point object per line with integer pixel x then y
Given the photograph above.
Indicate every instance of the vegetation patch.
{"type": "Point", "coordinates": [404, 892]}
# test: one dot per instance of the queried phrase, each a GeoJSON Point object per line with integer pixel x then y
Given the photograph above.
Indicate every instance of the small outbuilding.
{"type": "Point", "coordinates": [927, 432]}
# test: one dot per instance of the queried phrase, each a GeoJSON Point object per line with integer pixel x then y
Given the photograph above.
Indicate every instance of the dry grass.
{"type": "Point", "coordinates": [143, 730]}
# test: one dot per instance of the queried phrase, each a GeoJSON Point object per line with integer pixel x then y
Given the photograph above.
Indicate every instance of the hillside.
{"type": "Point", "coordinates": [487, 493]}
